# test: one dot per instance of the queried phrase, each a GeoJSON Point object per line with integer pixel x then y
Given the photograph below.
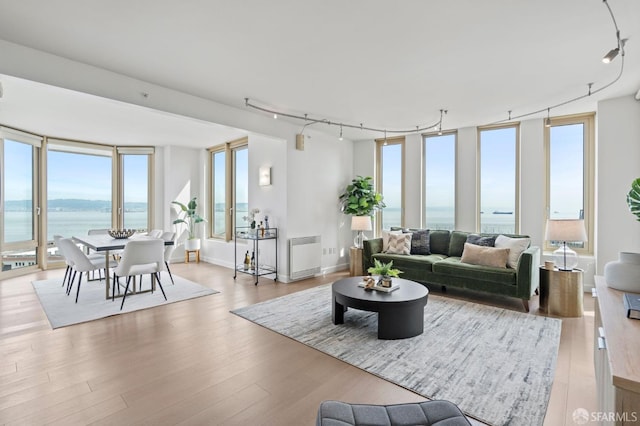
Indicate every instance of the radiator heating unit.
{"type": "Point", "coordinates": [305, 257]}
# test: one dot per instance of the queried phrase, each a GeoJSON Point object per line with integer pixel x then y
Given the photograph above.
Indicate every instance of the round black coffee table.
{"type": "Point", "coordinates": [400, 312]}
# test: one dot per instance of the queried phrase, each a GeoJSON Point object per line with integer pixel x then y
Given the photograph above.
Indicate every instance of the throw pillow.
{"type": "Point", "coordinates": [515, 245]}
{"type": "Point", "coordinates": [399, 244]}
{"type": "Point", "coordinates": [385, 239]}
{"type": "Point", "coordinates": [420, 241]}
{"type": "Point", "coordinates": [485, 256]}
{"type": "Point", "coordinates": [482, 241]}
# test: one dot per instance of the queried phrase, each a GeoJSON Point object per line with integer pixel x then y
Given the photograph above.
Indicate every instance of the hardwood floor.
{"type": "Point", "coordinates": [193, 362]}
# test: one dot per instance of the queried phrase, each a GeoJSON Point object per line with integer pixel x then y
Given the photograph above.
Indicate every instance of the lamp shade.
{"type": "Point", "coordinates": [361, 223]}
{"type": "Point", "coordinates": [566, 230]}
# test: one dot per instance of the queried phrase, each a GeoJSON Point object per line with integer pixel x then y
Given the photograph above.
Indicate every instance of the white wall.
{"type": "Point", "coordinates": [618, 164]}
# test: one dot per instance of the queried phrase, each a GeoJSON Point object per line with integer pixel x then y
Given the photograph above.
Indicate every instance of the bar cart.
{"type": "Point", "coordinates": [257, 235]}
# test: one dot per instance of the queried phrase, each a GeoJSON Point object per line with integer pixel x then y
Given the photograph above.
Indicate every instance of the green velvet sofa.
{"type": "Point", "coordinates": [443, 267]}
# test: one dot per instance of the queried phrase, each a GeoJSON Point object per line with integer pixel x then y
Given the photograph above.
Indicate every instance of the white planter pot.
{"type": "Point", "coordinates": [193, 244]}
{"type": "Point", "coordinates": [624, 273]}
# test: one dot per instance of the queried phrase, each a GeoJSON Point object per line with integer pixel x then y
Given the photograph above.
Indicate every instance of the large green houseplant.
{"type": "Point", "coordinates": [360, 200]}
{"type": "Point", "coordinates": [190, 217]}
{"type": "Point", "coordinates": [633, 198]}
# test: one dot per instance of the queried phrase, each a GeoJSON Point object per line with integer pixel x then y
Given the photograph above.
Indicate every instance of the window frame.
{"type": "Point", "coordinates": [424, 173]}
{"type": "Point", "coordinates": [229, 149]}
{"type": "Point", "coordinates": [517, 159]}
{"type": "Point", "coordinates": [380, 143]}
{"type": "Point", "coordinates": [588, 122]}
{"type": "Point", "coordinates": [118, 184]}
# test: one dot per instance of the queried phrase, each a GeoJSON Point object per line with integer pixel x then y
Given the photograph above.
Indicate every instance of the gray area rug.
{"type": "Point", "coordinates": [62, 310]}
{"type": "Point", "coordinates": [496, 365]}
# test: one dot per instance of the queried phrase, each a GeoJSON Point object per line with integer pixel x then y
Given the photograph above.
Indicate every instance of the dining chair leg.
{"type": "Point", "coordinates": [66, 272]}
{"type": "Point", "coordinates": [169, 271]}
{"type": "Point", "coordinates": [124, 296]}
{"type": "Point", "coordinates": [157, 275]}
{"type": "Point", "coordinates": [70, 282]}
{"type": "Point", "coordinates": [78, 289]}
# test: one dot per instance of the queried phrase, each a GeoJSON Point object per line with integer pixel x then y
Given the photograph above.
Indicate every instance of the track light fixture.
{"type": "Point", "coordinates": [437, 127]}
{"type": "Point", "coordinates": [442, 111]}
{"type": "Point", "coordinates": [619, 50]}
{"type": "Point", "coordinates": [309, 121]}
{"type": "Point", "coordinates": [547, 121]}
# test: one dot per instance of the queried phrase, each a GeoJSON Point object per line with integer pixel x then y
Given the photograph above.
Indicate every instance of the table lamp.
{"type": "Point", "coordinates": [571, 230]}
{"type": "Point", "coordinates": [360, 223]}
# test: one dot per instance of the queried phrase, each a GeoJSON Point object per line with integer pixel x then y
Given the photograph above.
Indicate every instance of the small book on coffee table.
{"type": "Point", "coordinates": [394, 286]}
{"type": "Point", "coordinates": [632, 305]}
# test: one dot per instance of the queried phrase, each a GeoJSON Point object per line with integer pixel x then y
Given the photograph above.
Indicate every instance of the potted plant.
{"type": "Point", "coordinates": [189, 217]}
{"type": "Point", "coordinates": [385, 270]}
{"type": "Point", "coordinates": [361, 200]}
{"type": "Point", "coordinates": [624, 274]}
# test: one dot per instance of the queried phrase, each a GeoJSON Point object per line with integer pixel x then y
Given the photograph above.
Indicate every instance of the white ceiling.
{"type": "Point", "coordinates": [386, 64]}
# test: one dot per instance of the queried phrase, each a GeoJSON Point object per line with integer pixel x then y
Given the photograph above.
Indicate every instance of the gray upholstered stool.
{"type": "Point", "coordinates": [428, 413]}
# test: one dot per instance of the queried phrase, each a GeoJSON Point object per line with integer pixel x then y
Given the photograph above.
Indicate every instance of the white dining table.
{"type": "Point", "coordinates": [105, 243]}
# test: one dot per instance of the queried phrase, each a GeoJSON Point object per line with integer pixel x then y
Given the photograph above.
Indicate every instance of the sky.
{"type": "Point", "coordinates": [71, 175]}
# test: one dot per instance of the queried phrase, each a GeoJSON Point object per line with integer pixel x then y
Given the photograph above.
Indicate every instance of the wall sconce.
{"type": "Point", "coordinates": [265, 176]}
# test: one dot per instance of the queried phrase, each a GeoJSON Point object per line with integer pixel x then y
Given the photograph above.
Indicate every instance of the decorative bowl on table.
{"type": "Point", "coordinates": [120, 234]}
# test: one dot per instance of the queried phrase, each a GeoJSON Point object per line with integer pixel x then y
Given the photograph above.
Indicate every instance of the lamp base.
{"type": "Point", "coordinates": [565, 258]}
{"type": "Point", "coordinates": [358, 241]}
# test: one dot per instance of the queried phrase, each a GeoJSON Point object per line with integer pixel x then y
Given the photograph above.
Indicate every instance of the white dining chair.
{"type": "Point", "coordinates": [140, 257]}
{"type": "Point", "coordinates": [80, 263]}
{"type": "Point", "coordinates": [67, 259]}
{"type": "Point", "coordinates": [168, 251]}
{"type": "Point", "coordinates": [155, 233]}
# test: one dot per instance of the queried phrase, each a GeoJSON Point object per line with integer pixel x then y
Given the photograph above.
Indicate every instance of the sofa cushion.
{"type": "Point", "coordinates": [452, 266]}
{"type": "Point", "coordinates": [482, 240]}
{"type": "Point", "coordinates": [416, 261]}
{"type": "Point", "coordinates": [456, 243]}
{"type": "Point", "coordinates": [419, 241]}
{"type": "Point", "coordinates": [439, 241]}
{"type": "Point", "coordinates": [515, 245]}
{"type": "Point", "coordinates": [385, 238]}
{"type": "Point", "coordinates": [486, 256]}
{"type": "Point", "coordinates": [399, 244]}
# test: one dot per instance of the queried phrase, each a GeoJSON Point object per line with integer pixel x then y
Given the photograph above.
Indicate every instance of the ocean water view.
{"type": "Point", "coordinates": [17, 224]}
{"type": "Point", "coordinates": [492, 223]}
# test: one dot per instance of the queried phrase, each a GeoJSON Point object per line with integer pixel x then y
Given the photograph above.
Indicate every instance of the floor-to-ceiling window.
{"type": "Point", "coordinates": [79, 188]}
{"type": "Point", "coordinates": [229, 177]}
{"type": "Point", "coordinates": [389, 182]}
{"type": "Point", "coordinates": [440, 181]}
{"type": "Point", "coordinates": [498, 154]}
{"type": "Point", "coordinates": [569, 151]}
{"type": "Point", "coordinates": [134, 200]}
{"type": "Point", "coordinates": [20, 209]}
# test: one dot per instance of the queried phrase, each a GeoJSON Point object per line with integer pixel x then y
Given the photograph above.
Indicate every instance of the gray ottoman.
{"type": "Point", "coordinates": [429, 413]}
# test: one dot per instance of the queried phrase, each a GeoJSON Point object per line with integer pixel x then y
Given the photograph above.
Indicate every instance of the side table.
{"type": "Point", "coordinates": [561, 292]}
{"type": "Point", "coordinates": [355, 261]}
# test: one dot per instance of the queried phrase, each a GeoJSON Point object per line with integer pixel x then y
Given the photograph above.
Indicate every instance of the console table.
{"type": "Point", "coordinates": [616, 357]}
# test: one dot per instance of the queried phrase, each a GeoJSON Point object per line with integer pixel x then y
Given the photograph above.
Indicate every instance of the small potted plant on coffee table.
{"type": "Point", "coordinates": [385, 270]}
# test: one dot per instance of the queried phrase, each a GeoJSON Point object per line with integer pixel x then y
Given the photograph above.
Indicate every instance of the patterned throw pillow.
{"type": "Point", "coordinates": [385, 238]}
{"type": "Point", "coordinates": [482, 241]}
{"type": "Point", "coordinates": [399, 244]}
{"type": "Point", "coordinates": [420, 242]}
